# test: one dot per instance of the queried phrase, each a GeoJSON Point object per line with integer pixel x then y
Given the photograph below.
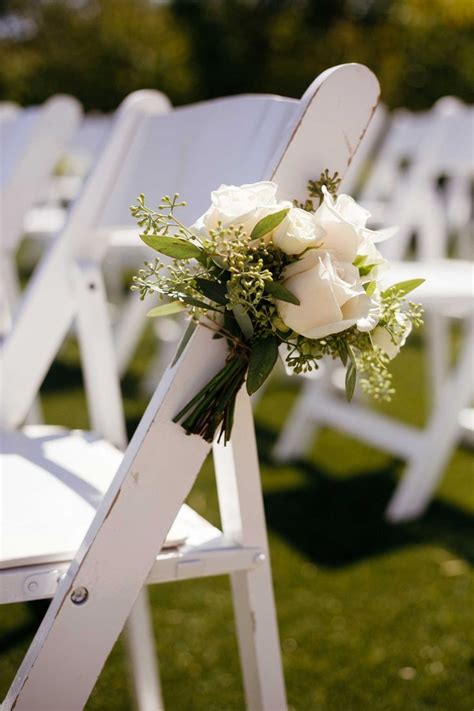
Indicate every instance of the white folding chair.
{"type": "Point", "coordinates": [30, 151]}
{"type": "Point", "coordinates": [449, 288]}
{"type": "Point", "coordinates": [80, 153]}
{"type": "Point", "coordinates": [139, 496]}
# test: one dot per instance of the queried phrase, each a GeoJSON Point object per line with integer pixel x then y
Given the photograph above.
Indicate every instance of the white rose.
{"type": "Point", "coordinates": [245, 205]}
{"type": "Point", "coordinates": [384, 340]}
{"type": "Point", "coordinates": [331, 295]}
{"type": "Point", "coordinates": [346, 235]}
{"type": "Point", "coordinates": [297, 232]}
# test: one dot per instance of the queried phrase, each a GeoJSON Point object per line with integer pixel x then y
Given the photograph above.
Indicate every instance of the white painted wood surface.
{"type": "Point", "coordinates": [31, 144]}
{"type": "Point", "coordinates": [161, 463]}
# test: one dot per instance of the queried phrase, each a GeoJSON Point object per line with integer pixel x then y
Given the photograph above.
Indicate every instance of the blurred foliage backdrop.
{"type": "Point", "coordinates": [100, 50]}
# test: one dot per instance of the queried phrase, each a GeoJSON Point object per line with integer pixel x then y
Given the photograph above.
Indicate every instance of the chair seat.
{"type": "Point", "coordinates": [449, 283]}
{"type": "Point", "coordinates": [52, 481]}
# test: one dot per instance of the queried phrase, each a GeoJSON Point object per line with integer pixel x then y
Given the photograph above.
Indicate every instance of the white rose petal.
{"type": "Point", "coordinates": [298, 231]}
{"type": "Point", "coordinates": [240, 205]}
{"type": "Point", "coordinates": [340, 234]}
{"type": "Point", "coordinates": [331, 295]}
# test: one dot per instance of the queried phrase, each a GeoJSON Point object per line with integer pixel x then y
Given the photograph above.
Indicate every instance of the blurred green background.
{"type": "Point", "coordinates": [370, 615]}
{"type": "Point", "coordinates": [101, 50]}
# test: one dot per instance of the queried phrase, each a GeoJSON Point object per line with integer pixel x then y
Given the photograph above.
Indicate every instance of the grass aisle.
{"type": "Point", "coordinates": [370, 616]}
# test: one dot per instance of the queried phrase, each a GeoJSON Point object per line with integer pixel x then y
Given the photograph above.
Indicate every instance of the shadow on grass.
{"type": "Point", "coordinates": [339, 521]}
{"type": "Point", "coordinates": [24, 632]}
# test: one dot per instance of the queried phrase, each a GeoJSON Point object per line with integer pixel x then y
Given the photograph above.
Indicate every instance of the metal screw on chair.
{"type": "Point", "coordinates": [79, 595]}
{"type": "Point", "coordinates": [259, 558]}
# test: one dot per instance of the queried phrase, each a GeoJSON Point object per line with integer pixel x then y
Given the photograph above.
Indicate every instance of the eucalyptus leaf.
{"type": "Point", "coordinates": [281, 292]}
{"type": "Point", "coordinates": [403, 287]}
{"type": "Point", "coordinates": [263, 356]}
{"type": "Point", "coordinates": [351, 377]}
{"type": "Point", "coordinates": [268, 223]}
{"type": "Point", "coordinates": [173, 307]}
{"type": "Point", "coordinates": [174, 247]}
{"type": "Point", "coordinates": [243, 319]}
{"type": "Point", "coordinates": [184, 341]}
{"type": "Point", "coordinates": [213, 290]}
{"type": "Point", "coordinates": [196, 302]}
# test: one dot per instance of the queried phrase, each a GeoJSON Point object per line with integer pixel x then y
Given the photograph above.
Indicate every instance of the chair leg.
{"type": "Point", "coordinates": [243, 519]}
{"type": "Point", "coordinates": [437, 335]}
{"type": "Point", "coordinates": [415, 490]}
{"type": "Point", "coordinates": [257, 633]}
{"type": "Point", "coordinates": [142, 657]}
{"type": "Point", "coordinates": [300, 428]}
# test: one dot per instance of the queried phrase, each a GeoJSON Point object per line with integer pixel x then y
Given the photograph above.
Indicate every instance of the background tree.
{"type": "Point", "coordinates": [100, 50]}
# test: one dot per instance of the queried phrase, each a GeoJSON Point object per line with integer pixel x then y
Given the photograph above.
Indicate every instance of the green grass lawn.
{"type": "Point", "coordinates": [371, 616]}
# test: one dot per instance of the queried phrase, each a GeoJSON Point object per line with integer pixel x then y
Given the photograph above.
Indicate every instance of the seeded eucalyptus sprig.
{"type": "Point", "coordinates": [315, 190]}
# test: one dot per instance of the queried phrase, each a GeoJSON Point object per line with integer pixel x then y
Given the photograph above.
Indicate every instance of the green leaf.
{"type": "Point", "coordinates": [351, 377]}
{"type": "Point", "coordinates": [174, 247]}
{"type": "Point", "coordinates": [281, 292]}
{"type": "Point", "coordinates": [370, 287]}
{"type": "Point", "coordinates": [365, 269]}
{"type": "Point", "coordinates": [343, 352]}
{"type": "Point", "coordinates": [184, 341]}
{"type": "Point", "coordinates": [195, 302]}
{"type": "Point", "coordinates": [213, 290]}
{"type": "Point", "coordinates": [268, 223]}
{"type": "Point", "coordinates": [359, 260]}
{"type": "Point", "coordinates": [243, 319]}
{"type": "Point", "coordinates": [403, 287]}
{"type": "Point", "coordinates": [263, 356]}
{"type": "Point", "coordinates": [173, 307]}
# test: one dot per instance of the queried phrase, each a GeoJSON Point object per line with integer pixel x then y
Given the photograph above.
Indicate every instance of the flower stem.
{"type": "Point", "coordinates": [213, 406]}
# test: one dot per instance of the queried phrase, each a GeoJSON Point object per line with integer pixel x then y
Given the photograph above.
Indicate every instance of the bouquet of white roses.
{"type": "Point", "coordinates": [273, 276]}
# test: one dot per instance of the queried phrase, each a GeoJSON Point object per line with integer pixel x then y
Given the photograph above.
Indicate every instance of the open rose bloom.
{"type": "Point", "coordinates": [326, 281]}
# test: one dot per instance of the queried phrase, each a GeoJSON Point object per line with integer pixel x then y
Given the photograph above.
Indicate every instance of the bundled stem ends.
{"type": "Point", "coordinates": [214, 405]}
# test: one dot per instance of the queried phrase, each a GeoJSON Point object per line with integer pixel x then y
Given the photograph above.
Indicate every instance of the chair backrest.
{"type": "Point", "coordinates": [162, 462]}
{"type": "Point", "coordinates": [193, 149]}
{"type": "Point", "coordinates": [87, 142]}
{"type": "Point", "coordinates": [31, 150]}
{"type": "Point", "coordinates": [399, 149]}
{"type": "Point", "coordinates": [416, 203]}
{"type": "Point", "coordinates": [367, 151]}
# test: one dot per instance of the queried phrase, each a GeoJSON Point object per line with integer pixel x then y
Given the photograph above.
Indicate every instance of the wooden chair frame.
{"type": "Point", "coordinates": [116, 559]}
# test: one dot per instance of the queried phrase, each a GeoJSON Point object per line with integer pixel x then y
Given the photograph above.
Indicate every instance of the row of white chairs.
{"type": "Point", "coordinates": [62, 487]}
{"type": "Point", "coordinates": [406, 153]}
{"type": "Point", "coordinates": [415, 153]}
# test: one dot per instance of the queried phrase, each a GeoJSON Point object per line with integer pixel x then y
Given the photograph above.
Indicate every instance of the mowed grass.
{"type": "Point", "coordinates": [370, 615]}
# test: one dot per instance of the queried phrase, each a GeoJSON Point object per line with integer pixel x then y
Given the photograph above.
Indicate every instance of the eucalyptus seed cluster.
{"type": "Point", "coordinates": [315, 190]}
{"type": "Point", "coordinates": [160, 221]}
{"type": "Point", "coordinates": [374, 377]}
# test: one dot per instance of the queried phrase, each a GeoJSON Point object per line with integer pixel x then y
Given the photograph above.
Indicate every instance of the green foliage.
{"type": "Point", "coordinates": [172, 247]}
{"type": "Point", "coordinates": [263, 357]}
{"type": "Point", "coordinates": [402, 288]}
{"type": "Point", "coordinates": [280, 292]}
{"type": "Point", "coordinates": [268, 223]}
{"type": "Point", "coordinates": [173, 307]}
{"type": "Point", "coordinates": [101, 50]}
